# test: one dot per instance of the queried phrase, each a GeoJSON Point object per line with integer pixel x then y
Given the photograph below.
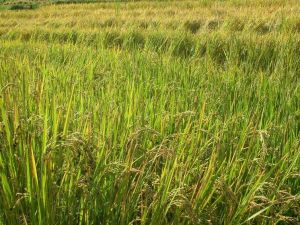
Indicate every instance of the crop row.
{"type": "Point", "coordinates": [196, 27]}
{"type": "Point", "coordinates": [258, 52]}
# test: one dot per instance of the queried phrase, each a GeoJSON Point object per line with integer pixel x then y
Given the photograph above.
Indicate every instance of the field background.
{"type": "Point", "coordinates": [180, 112]}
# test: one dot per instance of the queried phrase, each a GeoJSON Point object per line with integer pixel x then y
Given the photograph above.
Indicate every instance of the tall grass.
{"type": "Point", "coordinates": [126, 125]}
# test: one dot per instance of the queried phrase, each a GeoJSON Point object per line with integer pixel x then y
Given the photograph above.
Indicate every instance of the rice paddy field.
{"type": "Point", "coordinates": [161, 112]}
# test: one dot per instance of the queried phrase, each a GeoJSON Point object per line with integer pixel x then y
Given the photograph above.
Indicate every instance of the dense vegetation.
{"type": "Point", "coordinates": [150, 113]}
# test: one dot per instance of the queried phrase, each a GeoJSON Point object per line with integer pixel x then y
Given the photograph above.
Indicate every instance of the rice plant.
{"type": "Point", "coordinates": [152, 112]}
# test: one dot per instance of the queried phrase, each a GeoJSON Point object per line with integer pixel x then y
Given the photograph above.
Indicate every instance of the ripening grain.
{"type": "Point", "coordinates": [150, 113]}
